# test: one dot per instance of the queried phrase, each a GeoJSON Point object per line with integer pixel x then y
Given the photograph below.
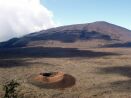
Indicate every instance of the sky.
{"type": "Point", "coordinates": [84, 11]}
{"type": "Point", "coordinates": [21, 17]}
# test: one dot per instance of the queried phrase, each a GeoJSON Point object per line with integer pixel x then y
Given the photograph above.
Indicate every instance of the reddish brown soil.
{"type": "Point", "coordinates": [67, 81]}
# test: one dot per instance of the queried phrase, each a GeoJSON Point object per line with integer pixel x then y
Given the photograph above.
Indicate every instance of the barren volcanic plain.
{"type": "Point", "coordinates": [97, 55]}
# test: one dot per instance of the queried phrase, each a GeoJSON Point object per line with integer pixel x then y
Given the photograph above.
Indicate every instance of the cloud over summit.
{"type": "Point", "coordinates": [19, 17]}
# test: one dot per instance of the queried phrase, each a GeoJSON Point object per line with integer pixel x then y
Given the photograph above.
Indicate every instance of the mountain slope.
{"type": "Point", "coordinates": [95, 33]}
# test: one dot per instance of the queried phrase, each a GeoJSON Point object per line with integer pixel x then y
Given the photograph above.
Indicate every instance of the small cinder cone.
{"type": "Point", "coordinates": [50, 77]}
{"type": "Point", "coordinates": [53, 80]}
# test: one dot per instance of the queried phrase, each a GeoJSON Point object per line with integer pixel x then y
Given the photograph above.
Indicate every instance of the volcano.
{"type": "Point", "coordinates": [96, 34]}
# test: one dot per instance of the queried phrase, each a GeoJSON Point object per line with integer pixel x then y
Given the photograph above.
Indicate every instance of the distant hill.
{"type": "Point", "coordinates": [94, 34]}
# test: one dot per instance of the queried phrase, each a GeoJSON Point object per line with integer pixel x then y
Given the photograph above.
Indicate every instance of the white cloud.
{"type": "Point", "coordinates": [19, 17]}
